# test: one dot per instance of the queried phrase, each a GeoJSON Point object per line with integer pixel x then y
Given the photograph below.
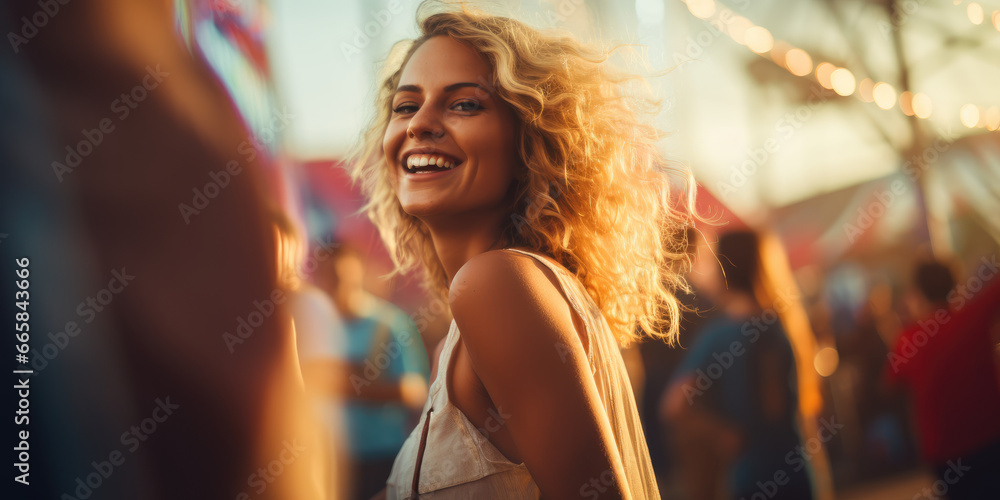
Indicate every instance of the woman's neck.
{"type": "Point", "coordinates": [458, 239]}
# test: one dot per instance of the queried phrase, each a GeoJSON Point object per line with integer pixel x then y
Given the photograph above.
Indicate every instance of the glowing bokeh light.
{"type": "Point", "coordinates": [922, 105]}
{"type": "Point", "coordinates": [842, 81]}
{"type": "Point", "coordinates": [737, 29]}
{"type": "Point", "coordinates": [975, 12]}
{"type": "Point", "coordinates": [779, 52]}
{"type": "Point", "coordinates": [969, 115]}
{"type": "Point", "coordinates": [759, 39]}
{"type": "Point", "coordinates": [906, 103]}
{"type": "Point", "coordinates": [826, 361]}
{"type": "Point", "coordinates": [865, 90]}
{"type": "Point", "coordinates": [992, 118]}
{"type": "Point", "coordinates": [823, 72]}
{"type": "Point", "coordinates": [798, 62]}
{"type": "Point", "coordinates": [884, 95]}
{"type": "Point", "coordinates": [702, 9]}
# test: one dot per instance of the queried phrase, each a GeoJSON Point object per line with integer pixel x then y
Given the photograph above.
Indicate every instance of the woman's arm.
{"type": "Point", "coordinates": [520, 336]}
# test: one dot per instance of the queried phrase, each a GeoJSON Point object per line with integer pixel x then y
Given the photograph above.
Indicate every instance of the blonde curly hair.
{"type": "Point", "coordinates": [596, 197]}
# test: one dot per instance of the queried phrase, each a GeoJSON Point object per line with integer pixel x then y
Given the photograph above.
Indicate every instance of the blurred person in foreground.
{"type": "Point", "coordinates": [385, 370]}
{"type": "Point", "coordinates": [737, 392]}
{"type": "Point", "coordinates": [948, 359]}
{"type": "Point", "coordinates": [142, 398]}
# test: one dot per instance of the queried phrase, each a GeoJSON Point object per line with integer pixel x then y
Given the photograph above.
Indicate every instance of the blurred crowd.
{"type": "Point", "coordinates": [295, 376]}
{"type": "Point", "coordinates": [754, 403]}
{"type": "Point", "coordinates": [768, 401]}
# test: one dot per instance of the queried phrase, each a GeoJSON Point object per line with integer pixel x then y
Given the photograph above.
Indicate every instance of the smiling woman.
{"type": "Point", "coordinates": [512, 167]}
{"type": "Point", "coordinates": [439, 112]}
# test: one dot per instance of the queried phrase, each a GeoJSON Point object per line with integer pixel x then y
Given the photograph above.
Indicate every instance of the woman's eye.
{"type": "Point", "coordinates": [403, 109]}
{"type": "Point", "coordinates": [467, 106]}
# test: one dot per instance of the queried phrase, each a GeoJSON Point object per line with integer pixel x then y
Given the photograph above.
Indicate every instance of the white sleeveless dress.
{"type": "Point", "coordinates": [458, 462]}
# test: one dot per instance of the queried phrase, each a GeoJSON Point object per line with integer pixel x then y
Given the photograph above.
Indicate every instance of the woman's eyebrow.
{"type": "Point", "coordinates": [408, 88]}
{"type": "Point", "coordinates": [456, 86]}
{"type": "Point", "coordinates": [450, 88]}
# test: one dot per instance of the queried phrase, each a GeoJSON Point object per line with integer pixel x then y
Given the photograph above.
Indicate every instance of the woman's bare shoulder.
{"type": "Point", "coordinates": [499, 272]}
{"type": "Point", "coordinates": [509, 297]}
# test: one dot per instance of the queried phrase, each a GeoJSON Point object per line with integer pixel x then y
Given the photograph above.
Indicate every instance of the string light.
{"type": "Point", "coordinates": [759, 39]}
{"type": "Point", "coordinates": [823, 73]}
{"type": "Point", "coordinates": [798, 61]}
{"type": "Point", "coordinates": [865, 90]}
{"type": "Point", "coordinates": [702, 9]}
{"type": "Point", "coordinates": [780, 52]}
{"type": "Point", "coordinates": [737, 29]}
{"type": "Point", "coordinates": [884, 94]}
{"type": "Point", "coordinates": [906, 103]}
{"type": "Point", "coordinates": [841, 80]}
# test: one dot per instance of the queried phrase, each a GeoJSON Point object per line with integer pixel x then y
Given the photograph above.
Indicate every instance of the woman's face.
{"type": "Point", "coordinates": [449, 126]}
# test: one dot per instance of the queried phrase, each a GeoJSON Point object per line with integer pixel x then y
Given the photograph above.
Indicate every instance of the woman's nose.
{"type": "Point", "coordinates": [425, 122]}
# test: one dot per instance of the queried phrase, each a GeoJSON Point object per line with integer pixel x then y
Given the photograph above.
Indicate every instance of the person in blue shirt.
{"type": "Point", "coordinates": [386, 370]}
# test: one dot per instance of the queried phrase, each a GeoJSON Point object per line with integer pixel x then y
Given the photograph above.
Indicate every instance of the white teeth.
{"type": "Point", "coordinates": [422, 160]}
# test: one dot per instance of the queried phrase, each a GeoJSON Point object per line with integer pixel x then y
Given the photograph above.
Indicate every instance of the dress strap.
{"type": "Point", "coordinates": [571, 288]}
{"type": "Point", "coordinates": [444, 359]}
{"type": "Point", "coordinates": [562, 274]}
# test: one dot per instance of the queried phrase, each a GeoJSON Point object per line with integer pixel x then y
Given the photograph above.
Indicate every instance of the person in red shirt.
{"type": "Point", "coordinates": [948, 358]}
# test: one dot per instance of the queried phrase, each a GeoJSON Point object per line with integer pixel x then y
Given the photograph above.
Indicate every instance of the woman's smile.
{"type": "Point", "coordinates": [425, 162]}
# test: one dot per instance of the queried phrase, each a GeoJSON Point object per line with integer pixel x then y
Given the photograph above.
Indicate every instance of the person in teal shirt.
{"type": "Point", "coordinates": [387, 371]}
